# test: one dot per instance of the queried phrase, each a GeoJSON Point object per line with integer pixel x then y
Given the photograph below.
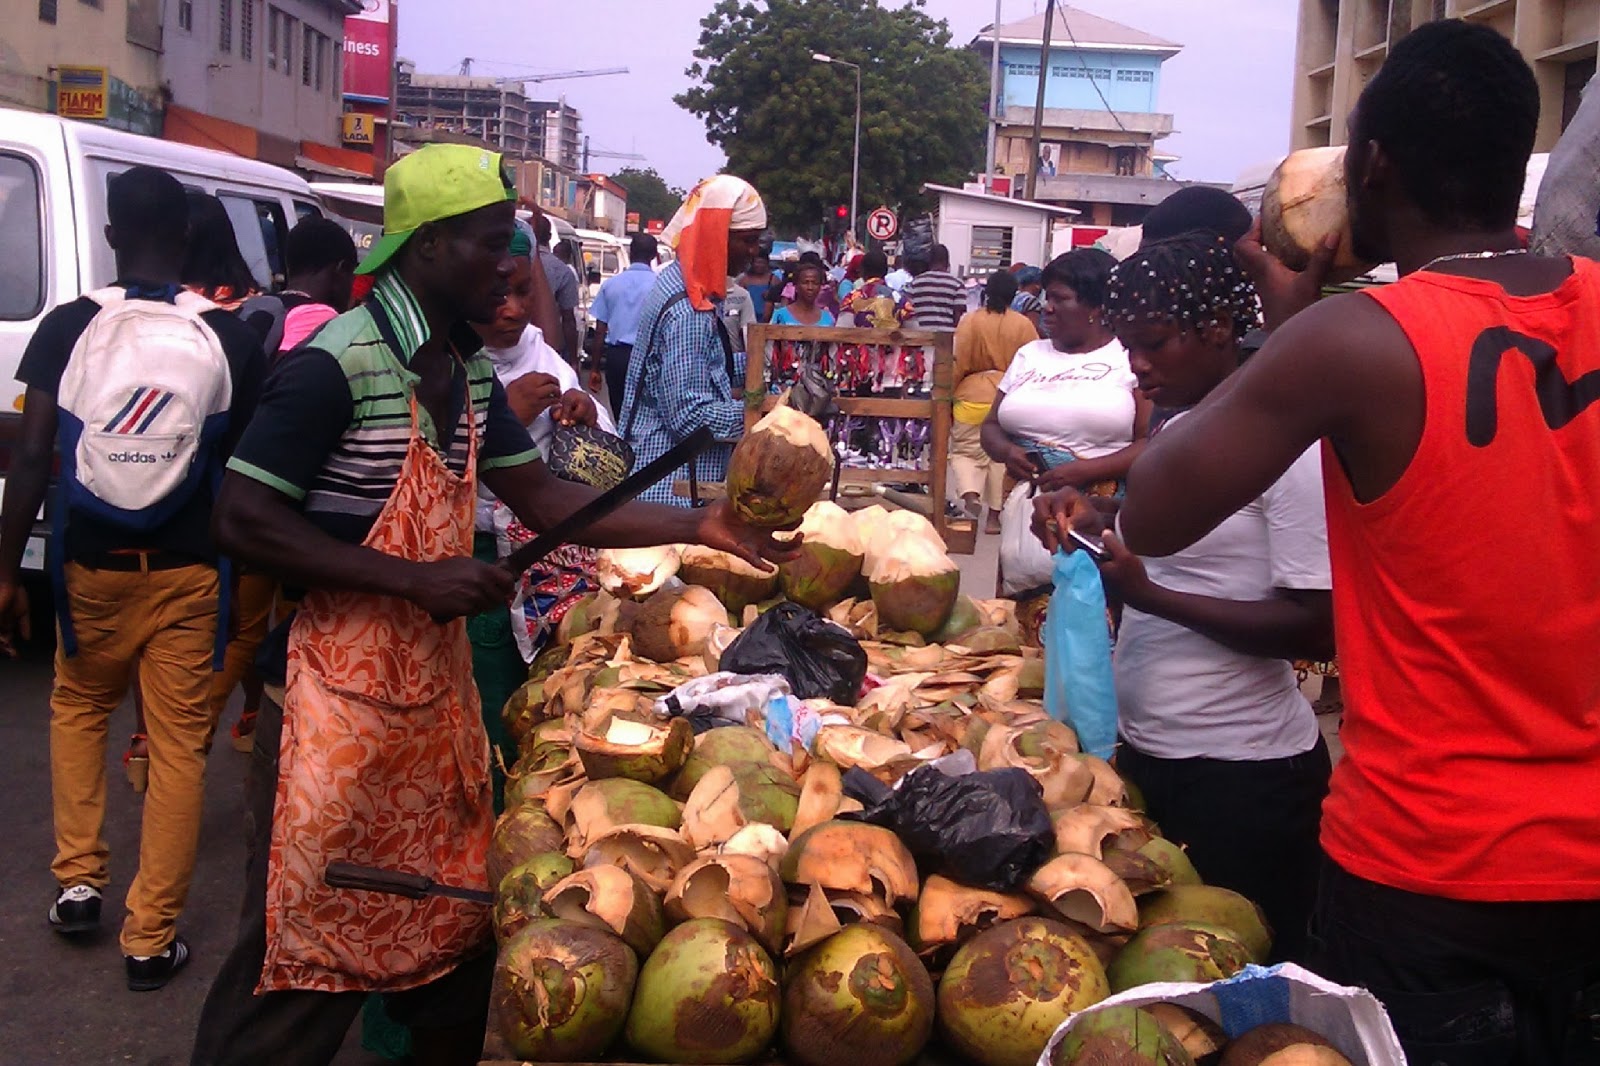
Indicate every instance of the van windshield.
{"type": "Point", "coordinates": [21, 244]}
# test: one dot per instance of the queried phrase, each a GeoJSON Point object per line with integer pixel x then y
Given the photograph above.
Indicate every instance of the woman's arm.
{"type": "Point", "coordinates": [1113, 467]}
{"type": "Point", "coordinates": [998, 445]}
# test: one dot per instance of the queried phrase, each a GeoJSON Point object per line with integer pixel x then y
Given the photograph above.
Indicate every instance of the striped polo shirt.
{"type": "Point", "coordinates": [334, 424]}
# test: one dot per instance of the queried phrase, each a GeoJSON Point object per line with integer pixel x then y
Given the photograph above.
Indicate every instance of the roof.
{"type": "Point", "coordinates": [1086, 29]}
{"type": "Point", "coordinates": [1050, 209]}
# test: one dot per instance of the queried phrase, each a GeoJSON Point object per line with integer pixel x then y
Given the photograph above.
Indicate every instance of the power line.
{"type": "Point", "coordinates": [1077, 51]}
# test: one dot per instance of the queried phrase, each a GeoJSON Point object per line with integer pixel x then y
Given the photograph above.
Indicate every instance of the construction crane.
{"type": "Point", "coordinates": [601, 153]}
{"type": "Point", "coordinates": [466, 72]}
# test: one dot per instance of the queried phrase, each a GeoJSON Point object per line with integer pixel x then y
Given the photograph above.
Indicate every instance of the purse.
{"type": "Point", "coordinates": [589, 456]}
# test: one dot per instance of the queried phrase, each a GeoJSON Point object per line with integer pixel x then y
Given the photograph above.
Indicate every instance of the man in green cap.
{"type": "Point", "coordinates": [357, 482]}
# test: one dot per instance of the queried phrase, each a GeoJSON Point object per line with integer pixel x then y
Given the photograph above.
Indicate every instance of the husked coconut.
{"type": "Point", "coordinates": [609, 897]}
{"type": "Point", "coordinates": [1304, 202]}
{"type": "Point", "coordinates": [630, 572]}
{"type": "Point", "coordinates": [914, 583]}
{"type": "Point", "coordinates": [779, 468]}
{"type": "Point", "coordinates": [732, 580]}
{"type": "Point", "coordinates": [830, 560]}
{"type": "Point", "coordinates": [674, 623]}
{"type": "Point", "coordinates": [737, 888]}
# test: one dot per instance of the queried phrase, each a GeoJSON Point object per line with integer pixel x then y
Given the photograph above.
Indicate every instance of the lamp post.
{"type": "Point", "coordinates": [855, 156]}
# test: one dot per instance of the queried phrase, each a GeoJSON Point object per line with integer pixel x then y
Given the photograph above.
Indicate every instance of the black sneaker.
{"type": "Point", "coordinates": [148, 973]}
{"type": "Point", "coordinates": [76, 910]}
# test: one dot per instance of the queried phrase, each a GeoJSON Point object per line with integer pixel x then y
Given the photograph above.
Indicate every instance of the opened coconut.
{"type": "Point", "coordinates": [1304, 202]}
{"type": "Point", "coordinates": [724, 746]}
{"type": "Point", "coordinates": [1127, 1035]}
{"type": "Point", "coordinates": [859, 997]}
{"type": "Point", "coordinates": [1179, 951]}
{"type": "Point", "coordinates": [519, 898]}
{"type": "Point", "coordinates": [600, 806]}
{"type": "Point", "coordinates": [830, 559]}
{"type": "Point", "coordinates": [948, 913]}
{"type": "Point", "coordinates": [561, 991]}
{"type": "Point", "coordinates": [852, 857]}
{"type": "Point", "coordinates": [519, 835]}
{"type": "Point", "coordinates": [779, 468]}
{"type": "Point", "coordinates": [677, 622]}
{"type": "Point", "coordinates": [1210, 905]}
{"type": "Point", "coordinates": [728, 798]}
{"type": "Point", "coordinates": [707, 994]}
{"type": "Point", "coordinates": [649, 852]}
{"type": "Point", "coordinates": [741, 889]}
{"type": "Point", "coordinates": [914, 585]}
{"type": "Point", "coordinates": [732, 580]}
{"type": "Point", "coordinates": [644, 751]}
{"type": "Point", "coordinates": [608, 897]}
{"type": "Point", "coordinates": [635, 572]}
{"type": "Point", "coordinates": [1009, 988]}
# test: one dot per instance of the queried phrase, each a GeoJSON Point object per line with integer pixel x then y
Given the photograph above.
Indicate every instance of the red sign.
{"type": "Point", "coordinates": [1084, 236]}
{"type": "Point", "coordinates": [633, 220]}
{"type": "Point", "coordinates": [654, 227]}
{"type": "Point", "coordinates": [368, 61]}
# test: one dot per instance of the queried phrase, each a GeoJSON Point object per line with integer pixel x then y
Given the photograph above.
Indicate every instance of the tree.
{"type": "Point", "coordinates": [649, 194]}
{"type": "Point", "coordinates": [786, 121]}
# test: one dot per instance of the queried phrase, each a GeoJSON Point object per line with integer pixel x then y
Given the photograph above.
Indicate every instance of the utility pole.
{"type": "Point", "coordinates": [1038, 107]}
{"type": "Point", "coordinates": [994, 101]}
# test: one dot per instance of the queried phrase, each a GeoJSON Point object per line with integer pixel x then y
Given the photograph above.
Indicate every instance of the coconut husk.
{"type": "Point", "coordinates": [737, 889]}
{"type": "Point", "coordinates": [810, 923]}
{"type": "Point", "coordinates": [635, 572]}
{"type": "Point", "coordinates": [651, 853]}
{"type": "Point", "coordinates": [608, 897]}
{"type": "Point", "coordinates": [735, 582]}
{"type": "Point", "coordinates": [778, 469]}
{"type": "Point", "coordinates": [1086, 890]}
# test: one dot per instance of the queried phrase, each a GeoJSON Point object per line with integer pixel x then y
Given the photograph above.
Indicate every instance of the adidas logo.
{"type": "Point", "coordinates": [167, 457]}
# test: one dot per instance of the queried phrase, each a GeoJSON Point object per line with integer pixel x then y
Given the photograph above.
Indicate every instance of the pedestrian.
{"type": "Point", "coordinates": [871, 303]}
{"type": "Point", "coordinates": [138, 593]}
{"type": "Point", "coordinates": [758, 279]}
{"type": "Point", "coordinates": [985, 343]}
{"type": "Point", "coordinates": [1029, 301]}
{"type": "Point", "coordinates": [803, 309]}
{"type": "Point", "coordinates": [320, 272]}
{"type": "Point", "coordinates": [1463, 825]}
{"type": "Point", "coordinates": [938, 296]}
{"type": "Point", "coordinates": [616, 314]}
{"type": "Point", "coordinates": [899, 279]}
{"type": "Point", "coordinates": [563, 283]}
{"type": "Point", "coordinates": [213, 266]}
{"type": "Point", "coordinates": [686, 375]}
{"type": "Point", "coordinates": [358, 483]}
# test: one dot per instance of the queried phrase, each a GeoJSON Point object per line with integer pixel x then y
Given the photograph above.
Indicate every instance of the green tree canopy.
{"type": "Point", "coordinates": [786, 121]}
{"type": "Point", "coordinates": [648, 193]}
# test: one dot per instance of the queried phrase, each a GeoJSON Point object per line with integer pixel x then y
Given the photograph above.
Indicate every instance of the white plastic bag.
{"type": "Point", "coordinates": [1024, 564]}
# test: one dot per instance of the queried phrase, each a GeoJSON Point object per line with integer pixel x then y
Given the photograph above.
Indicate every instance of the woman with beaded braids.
{"type": "Point", "coordinates": [1215, 732]}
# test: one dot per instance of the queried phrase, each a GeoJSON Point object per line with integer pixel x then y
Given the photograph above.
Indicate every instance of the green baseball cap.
{"type": "Point", "coordinates": [435, 182]}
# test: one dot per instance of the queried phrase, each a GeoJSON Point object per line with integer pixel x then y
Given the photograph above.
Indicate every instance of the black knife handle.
{"type": "Point", "coordinates": [369, 879]}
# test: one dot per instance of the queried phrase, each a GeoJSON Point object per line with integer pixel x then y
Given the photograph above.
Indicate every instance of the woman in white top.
{"type": "Point", "coordinates": [1215, 732]}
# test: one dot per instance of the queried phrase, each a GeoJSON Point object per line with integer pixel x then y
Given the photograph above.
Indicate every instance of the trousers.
{"type": "Point", "coordinates": [617, 356]}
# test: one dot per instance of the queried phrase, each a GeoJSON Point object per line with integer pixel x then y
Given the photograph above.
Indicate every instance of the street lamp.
{"type": "Point", "coordinates": [855, 156]}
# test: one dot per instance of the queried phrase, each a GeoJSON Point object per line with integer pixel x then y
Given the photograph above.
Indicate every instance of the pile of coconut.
{"type": "Point", "coordinates": [708, 899]}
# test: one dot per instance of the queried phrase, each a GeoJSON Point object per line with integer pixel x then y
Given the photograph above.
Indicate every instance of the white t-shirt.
{"type": "Point", "coordinates": [1182, 695]}
{"type": "Point", "coordinates": [1083, 402]}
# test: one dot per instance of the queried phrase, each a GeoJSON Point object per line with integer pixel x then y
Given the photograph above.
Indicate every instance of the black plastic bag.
{"type": "Point", "coordinates": [988, 829]}
{"type": "Point", "coordinates": [819, 659]}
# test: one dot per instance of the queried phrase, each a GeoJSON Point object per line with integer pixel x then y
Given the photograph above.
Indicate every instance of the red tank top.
{"type": "Point", "coordinates": [1467, 607]}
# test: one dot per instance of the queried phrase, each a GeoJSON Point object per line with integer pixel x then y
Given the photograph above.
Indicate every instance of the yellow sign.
{"type": "Point", "coordinates": [81, 92]}
{"type": "Point", "coordinates": [357, 128]}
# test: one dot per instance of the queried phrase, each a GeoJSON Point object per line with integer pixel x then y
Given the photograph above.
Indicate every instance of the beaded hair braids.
{"type": "Point", "coordinates": [1190, 279]}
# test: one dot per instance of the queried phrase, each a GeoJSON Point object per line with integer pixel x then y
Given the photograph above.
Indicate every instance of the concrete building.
{"type": "Point", "coordinates": [115, 46]}
{"type": "Point", "coordinates": [1342, 43]}
{"type": "Point", "coordinates": [1101, 123]}
{"type": "Point", "coordinates": [560, 139]}
{"type": "Point", "coordinates": [492, 110]}
{"type": "Point", "coordinates": [262, 78]}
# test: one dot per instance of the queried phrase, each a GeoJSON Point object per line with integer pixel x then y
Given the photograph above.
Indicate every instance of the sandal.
{"type": "Point", "coordinates": [136, 762]}
{"type": "Point", "coordinates": [243, 733]}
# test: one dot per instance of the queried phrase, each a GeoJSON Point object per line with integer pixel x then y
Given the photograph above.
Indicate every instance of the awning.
{"type": "Point", "coordinates": [335, 162]}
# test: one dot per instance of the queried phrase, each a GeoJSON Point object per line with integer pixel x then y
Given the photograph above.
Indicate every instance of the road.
{"type": "Point", "coordinates": [67, 1003]}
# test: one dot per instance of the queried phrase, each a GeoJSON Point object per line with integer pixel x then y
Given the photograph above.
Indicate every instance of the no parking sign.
{"type": "Point", "coordinates": [882, 224]}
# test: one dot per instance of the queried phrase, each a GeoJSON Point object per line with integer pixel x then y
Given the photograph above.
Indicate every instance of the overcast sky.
{"type": "Point", "coordinates": [1229, 89]}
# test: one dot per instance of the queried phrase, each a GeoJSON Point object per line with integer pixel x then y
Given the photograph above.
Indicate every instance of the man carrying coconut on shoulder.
{"type": "Point", "coordinates": [358, 484]}
{"type": "Point", "coordinates": [682, 375]}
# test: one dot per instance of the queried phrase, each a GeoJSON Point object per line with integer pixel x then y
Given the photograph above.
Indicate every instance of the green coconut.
{"type": "Point", "coordinates": [830, 559]}
{"type": "Point", "coordinates": [519, 898]}
{"type": "Point", "coordinates": [708, 993]}
{"type": "Point", "coordinates": [727, 798]}
{"type": "Point", "coordinates": [779, 468]}
{"type": "Point", "coordinates": [1171, 858]}
{"type": "Point", "coordinates": [964, 618]}
{"type": "Point", "coordinates": [914, 584]}
{"type": "Point", "coordinates": [561, 991]}
{"type": "Point", "coordinates": [600, 806]}
{"type": "Point", "coordinates": [1119, 1036]}
{"type": "Point", "coordinates": [860, 996]}
{"type": "Point", "coordinates": [1178, 951]}
{"type": "Point", "coordinates": [521, 833]}
{"type": "Point", "coordinates": [581, 618]}
{"type": "Point", "coordinates": [1210, 905]}
{"type": "Point", "coordinates": [732, 580]}
{"type": "Point", "coordinates": [1010, 987]}
{"type": "Point", "coordinates": [643, 751]}
{"type": "Point", "coordinates": [731, 745]}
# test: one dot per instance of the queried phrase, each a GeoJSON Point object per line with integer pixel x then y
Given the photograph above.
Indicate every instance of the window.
{"type": "Point", "coordinates": [47, 11]}
{"type": "Point", "coordinates": [308, 54]}
{"type": "Point", "coordinates": [256, 226]}
{"type": "Point", "coordinates": [274, 37]}
{"type": "Point", "coordinates": [323, 51]}
{"type": "Point", "coordinates": [224, 26]}
{"type": "Point", "coordinates": [991, 250]}
{"type": "Point", "coordinates": [186, 15]}
{"type": "Point", "coordinates": [21, 240]}
{"type": "Point", "coordinates": [288, 43]}
{"type": "Point", "coordinates": [1135, 75]}
{"type": "Point", "coordinates": [247, 31]}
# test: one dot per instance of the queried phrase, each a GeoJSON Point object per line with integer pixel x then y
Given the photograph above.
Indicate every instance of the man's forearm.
{"type": "Point", "coordinates": [26, 485]}
{"type": "Point", "coordinates": [546, 314]}
{"type": "Point", "coordinates": [540, 500]}
{"type": "Point", "coordinates": [569, 340]}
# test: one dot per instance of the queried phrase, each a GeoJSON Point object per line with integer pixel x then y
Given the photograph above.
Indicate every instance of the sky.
{"type": "Point", "coordinates": [1228, 90]}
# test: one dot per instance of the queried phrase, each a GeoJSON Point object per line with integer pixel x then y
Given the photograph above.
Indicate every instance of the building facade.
{"type": "Point", "coordinates": [1101, 119]}
{"type": "Point", "coordinates": [116, 43]}
{"type": "Point", "coordinates": [560, 136]}
{"type": "Point", "coordinates": [491, 110]}
{"type": "Point", "coordinates": [1342, 43]}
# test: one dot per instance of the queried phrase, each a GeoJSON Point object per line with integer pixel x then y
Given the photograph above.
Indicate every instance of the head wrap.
{"type": "Point", "coordinates": [699, 233]}
{"type": "Point", "coordinates": [521, 243]}
{"type": "Point", "coordinates": [1030, 275]}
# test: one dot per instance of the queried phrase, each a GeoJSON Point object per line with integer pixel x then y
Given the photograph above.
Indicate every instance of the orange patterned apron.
{"type": "Point", "coordinates": [384, 762]}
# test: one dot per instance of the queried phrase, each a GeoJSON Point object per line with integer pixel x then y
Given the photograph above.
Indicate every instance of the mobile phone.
{"type": "Point", "coordinates": [1037, 459]}
{"type": "Point", "coordinates": [1092, 545]}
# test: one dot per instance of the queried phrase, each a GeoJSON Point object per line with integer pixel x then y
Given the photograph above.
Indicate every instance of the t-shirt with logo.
{"type": "Point", "coordinates": [187, 533]}
{"type": "Point", "coordinates": [1078, 402]}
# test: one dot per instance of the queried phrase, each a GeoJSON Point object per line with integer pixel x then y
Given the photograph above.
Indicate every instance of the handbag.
{"type": "Point", "coordinates": [590, 456]}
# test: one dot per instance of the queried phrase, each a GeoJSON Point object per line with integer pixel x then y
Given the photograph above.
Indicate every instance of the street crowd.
{"type": "Point", "coordinates": [1409, 474]}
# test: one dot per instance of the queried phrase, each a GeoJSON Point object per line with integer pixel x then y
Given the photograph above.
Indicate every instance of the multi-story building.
{"type": "Point", "coordinates": [560, 138]}
{"type": "Point", "coordinates": [493, 110]}
{"type": "Point", "coordinates": [1100, 121]}
{"type": "Point", "coordinates": [109, 53]}
{"type": "Point", "coordinates": [1342, 43]}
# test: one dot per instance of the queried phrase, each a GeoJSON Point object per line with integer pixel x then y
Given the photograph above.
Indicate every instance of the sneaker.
{"type": "Point", "coordinates": [146, 973]}
{"type": "Point", "coordinates": [76, 910]}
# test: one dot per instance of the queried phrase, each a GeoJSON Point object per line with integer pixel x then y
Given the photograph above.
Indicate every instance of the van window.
{"type": "Point", "coordinates": [258, 226]}
{"type": "Point", "coordinates": [611, 263]}
{"type": "Point", "coordinates": [21, 240]}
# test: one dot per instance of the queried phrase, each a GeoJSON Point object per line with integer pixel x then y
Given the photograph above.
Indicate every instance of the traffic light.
{"type": "Point", "coordinates": [841, 212]}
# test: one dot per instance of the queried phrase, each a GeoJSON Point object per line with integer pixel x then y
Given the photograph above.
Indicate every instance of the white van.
{"type": "Point", "coordinates": [53, 175]}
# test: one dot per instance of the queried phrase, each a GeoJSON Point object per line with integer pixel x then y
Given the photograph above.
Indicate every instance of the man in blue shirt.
{"type": "Point", "coordinates": [616, 315]}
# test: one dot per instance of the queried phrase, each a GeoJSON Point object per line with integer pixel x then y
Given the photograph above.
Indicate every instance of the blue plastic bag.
{"type": "Point", "coordinates": [1078, 686]}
